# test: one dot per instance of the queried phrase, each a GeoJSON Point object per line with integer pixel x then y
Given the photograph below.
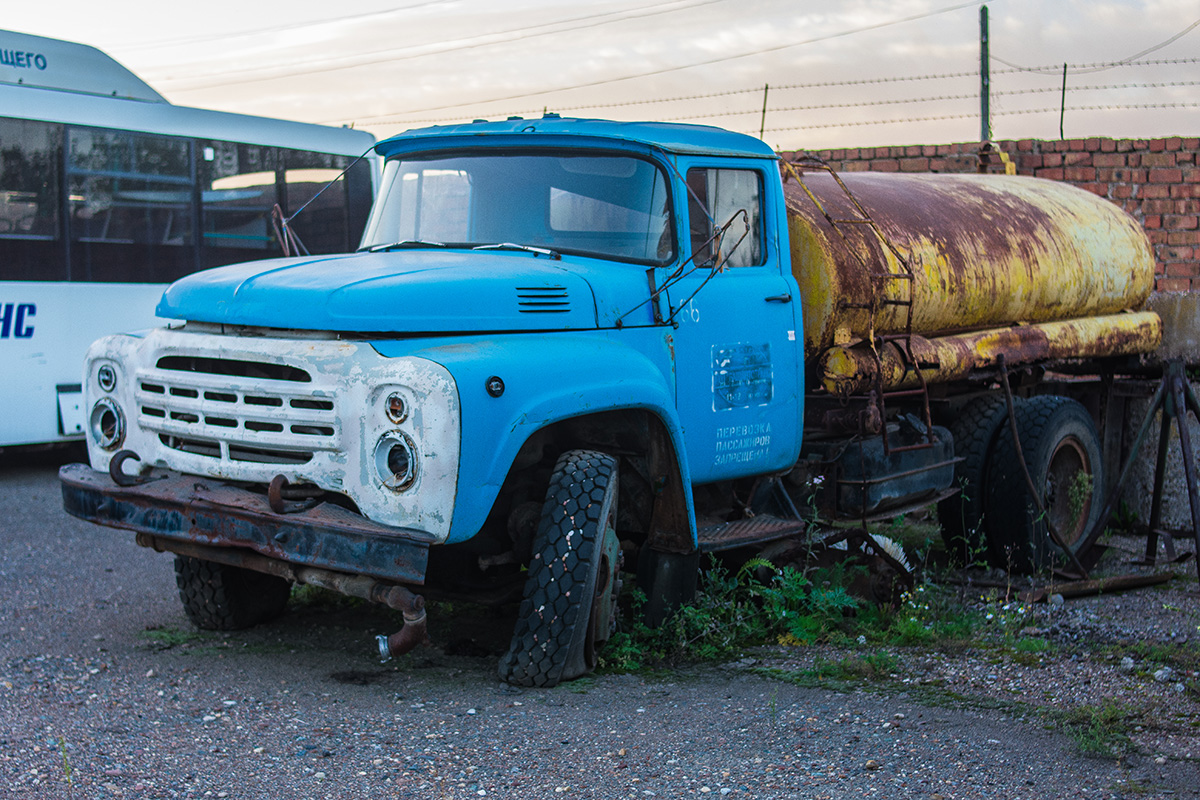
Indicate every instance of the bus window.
{"type": "Point", "coordinates": [239, 187]}
{"type": "Point", "coordinates": [131, 206]}
{"type": "Point", "coordinates": [30, 154]}
{"type": "Point", "coordinates": [331, 223]}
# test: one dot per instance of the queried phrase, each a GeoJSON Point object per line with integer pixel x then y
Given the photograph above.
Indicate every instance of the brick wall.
{"type": "Point", "coordinates": [1155, 180]}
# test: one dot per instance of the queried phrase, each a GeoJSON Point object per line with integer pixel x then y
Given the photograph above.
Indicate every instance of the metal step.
{"type": "Point", "coordinates": [742, 532]}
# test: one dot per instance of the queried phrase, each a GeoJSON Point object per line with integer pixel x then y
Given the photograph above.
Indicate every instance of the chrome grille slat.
{"type": "Point", "coordinates": [237, 419]}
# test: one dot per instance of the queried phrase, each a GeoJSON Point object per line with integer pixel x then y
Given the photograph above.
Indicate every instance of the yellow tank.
{"type": "Point", "coordinates": [986, 251]}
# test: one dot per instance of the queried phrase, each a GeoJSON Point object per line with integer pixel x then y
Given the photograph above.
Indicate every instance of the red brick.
{"type": "Point", "coordinates": [1095, 188]}
{"type": "Point", "coordinates": [1166, 176]}
{"type": "Point", "coordinates": [1158, 160]}
{"type": "Point", "coordinates": [914, 165]}
{"type": "Point", "coordinates": [1157, 145]}
{"type": "Point", "coordinates": [1181, 222]}
{"type": "Point", "coordinates": [1074, 159]}
{"type": "Point", "coordinates": [1158, 207]}
{"type": "Point", "coordinates": [1108, 146]}
{"type": "Point", "coordinates": [1150, 191]}
{"type": "Point", "coordinates": [1076, 144]}
{"type": "Point", "coordinates": [1173, 143]}
{"type": "Point", "coordinates": [1173, 285]}
{"type": "Point", "coordinates": [1183, 237]}
{"type": "Point", "coordinates": [1052, 160]}
{"type": "Point", "coordinates": [1152, 222]}
{"type": "Point", "coordinates": [1185, 190]}
{"type": "Point", "coordinates": [1079, 174]}
{"type": "Point", "coordinates": [1108, 160]}
{"type": "Point", "coordinates": [1140, 144]}
{"type": "Point", "coordinates": [937, 165]}
{"type": "Point", "coordinates": [928, 150]}
{"type": "Point", "coordinates": [1051, 173]}
{"type": "Point", "coordinates": [1031, 161]}
{"type": "Point", "coordinates": [1121, 192]}
{"type": "Point", "coordinates": [1186, 269]}
{"type": "Point", "coordinates": [1190, 144]}
{"type": "Point", "coordinates": [1093, 144]}
{"type": "Point", "coordinates": [1177, 253]}
{"type": "Point", "coordinates": [1025, 145]}
{"type": "Point", "coordinates": [1124, 145]}
{"type": "Point", "coordinates": [911, 152]}
{"type": "Point", "coordinates": [1158, 237]}
{"type": "Point", "coordinates": [1134, 159]}
{"type": "Point", "coordinates": [856, 166]}
{"type": "Point", "coordinates": [885, 165]}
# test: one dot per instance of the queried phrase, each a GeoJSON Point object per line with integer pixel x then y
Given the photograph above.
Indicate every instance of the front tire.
{"type": "Point", "coordinates": [570, 592]}
{"type": "Point", "coordinates": [220, 597]}
{"type": "Point", "coordinates": [1062, 450]}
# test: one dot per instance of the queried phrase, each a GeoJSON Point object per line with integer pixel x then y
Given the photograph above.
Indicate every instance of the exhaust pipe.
{"type": "Point", "coordinates": [412, 606]}
{"type": "Point", "coordinates": [403, 640]}
{"type": "Point", "coordinates": [413, 632]}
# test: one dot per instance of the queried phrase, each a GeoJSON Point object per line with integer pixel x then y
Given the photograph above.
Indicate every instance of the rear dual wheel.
{"type": "Point", "coordinates": [1062, 451]}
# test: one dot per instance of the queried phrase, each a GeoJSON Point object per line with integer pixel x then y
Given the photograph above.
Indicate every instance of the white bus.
{"type": "Point", "coordinates": [108, 192]}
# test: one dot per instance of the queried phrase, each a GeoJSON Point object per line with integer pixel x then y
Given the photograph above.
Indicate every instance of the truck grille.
{"type": "Point", "coordinates": [232, 410]}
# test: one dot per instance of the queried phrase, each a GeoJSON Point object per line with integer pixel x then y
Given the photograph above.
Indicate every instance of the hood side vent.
{"type": "Point", "coordinates": [543, 300]}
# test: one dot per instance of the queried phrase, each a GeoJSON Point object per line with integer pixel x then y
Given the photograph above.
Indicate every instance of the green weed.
{"type": "Point", "coordinates": [1098, 730]}
{"type": "Point", "coordinates": [165, 638]}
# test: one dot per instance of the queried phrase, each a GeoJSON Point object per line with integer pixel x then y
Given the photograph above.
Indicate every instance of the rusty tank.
{"type": "Point", "coordinates": [972, 266]}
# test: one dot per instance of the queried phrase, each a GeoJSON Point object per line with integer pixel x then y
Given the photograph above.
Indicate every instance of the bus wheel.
{"type": "Point", "coordinates": [1062, 450]}
{"type": "Point", "coordinates": [220, 597]}
{"type": "Point", "coordinates": [569, 607]}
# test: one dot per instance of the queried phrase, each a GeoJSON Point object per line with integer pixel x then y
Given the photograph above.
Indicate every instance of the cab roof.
{"type": "Point", "coordinates": [552, 129]}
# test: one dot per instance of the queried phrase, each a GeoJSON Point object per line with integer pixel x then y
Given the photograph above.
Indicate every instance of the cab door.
{"type": "Point", "coordinates": [737, 357]}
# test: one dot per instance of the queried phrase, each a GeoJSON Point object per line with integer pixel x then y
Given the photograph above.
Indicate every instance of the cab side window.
{"type": "Point", "coordinates": [715, 196]}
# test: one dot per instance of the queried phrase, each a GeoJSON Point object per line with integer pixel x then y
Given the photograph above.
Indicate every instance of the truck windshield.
{"type": "Point", "coordinates": [608, 206]}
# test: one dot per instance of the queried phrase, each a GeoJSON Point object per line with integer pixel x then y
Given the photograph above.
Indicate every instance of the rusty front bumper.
{"type": "Point", "coordinates": [204, 511]}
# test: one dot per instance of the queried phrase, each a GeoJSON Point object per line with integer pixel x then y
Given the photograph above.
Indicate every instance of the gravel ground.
{"type": "Point", "coordinates": [106, 691]}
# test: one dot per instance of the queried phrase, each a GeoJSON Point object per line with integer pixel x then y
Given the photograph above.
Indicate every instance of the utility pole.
{"type": "Point", "coordinates": [985, 82]}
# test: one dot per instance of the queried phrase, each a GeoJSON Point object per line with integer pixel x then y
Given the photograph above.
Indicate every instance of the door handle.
{"type": "Point", "coordinates": [780, 298]}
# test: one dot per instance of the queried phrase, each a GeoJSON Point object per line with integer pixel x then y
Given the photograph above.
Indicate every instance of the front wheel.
{"type": "Point", "coordinates": [570, 594]}
{"type": "Point", "coordinates": [1062, 450]}
{"type": "Point", "coordinates": [220, 597]}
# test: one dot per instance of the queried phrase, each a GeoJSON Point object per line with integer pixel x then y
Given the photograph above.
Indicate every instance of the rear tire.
{"type": "Point", "coordinates": [963, 517]}
{"type": "Point", "coordinates": [220, 597]}
{"type": "Point", "coordinates": [570, 592]}
{"type": "Point", "coordinates": [1062, 450]}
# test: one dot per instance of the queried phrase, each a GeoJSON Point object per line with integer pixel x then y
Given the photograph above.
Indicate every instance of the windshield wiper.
{"type": "Point", "coordinates": [401, 245]}
{"type": "Point", "coordinates": [540, 251]}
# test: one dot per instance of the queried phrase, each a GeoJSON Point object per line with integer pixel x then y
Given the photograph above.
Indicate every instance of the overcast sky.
{"type": "Point", "coordinates": [388, 66]}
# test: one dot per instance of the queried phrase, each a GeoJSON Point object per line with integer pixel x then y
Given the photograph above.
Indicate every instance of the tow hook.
{"type": "Point", "coordinates": [413, 632]}
{"type": "Point", "coordinates": [117, 472]}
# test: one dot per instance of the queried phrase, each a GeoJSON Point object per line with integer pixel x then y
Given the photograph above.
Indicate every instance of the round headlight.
{"type": "Point", "coordinates": [107, 424]}
{"type": "Point", "coordinates": [106, 377]}
{"type": "Point", "coordinates": [396, 461]}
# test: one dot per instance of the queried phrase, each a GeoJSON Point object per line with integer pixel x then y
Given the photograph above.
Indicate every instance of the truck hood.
{"type": "Point", "coordinates": [419, 291]}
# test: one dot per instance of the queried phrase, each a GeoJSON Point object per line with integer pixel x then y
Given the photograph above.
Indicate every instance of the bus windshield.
{"type": "Point", "coordinates": [606, 206]}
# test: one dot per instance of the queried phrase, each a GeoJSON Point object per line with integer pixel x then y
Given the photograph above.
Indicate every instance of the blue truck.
{"type": "Point", "coordinates": [569, 351]}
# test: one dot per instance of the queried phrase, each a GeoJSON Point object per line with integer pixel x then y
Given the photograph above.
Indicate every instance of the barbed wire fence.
{"type": "Point", "coordinates": [749, 109]}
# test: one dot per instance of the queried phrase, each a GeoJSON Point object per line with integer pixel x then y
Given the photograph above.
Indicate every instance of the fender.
{"type": "Point", "coordinates": [547, 378]}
